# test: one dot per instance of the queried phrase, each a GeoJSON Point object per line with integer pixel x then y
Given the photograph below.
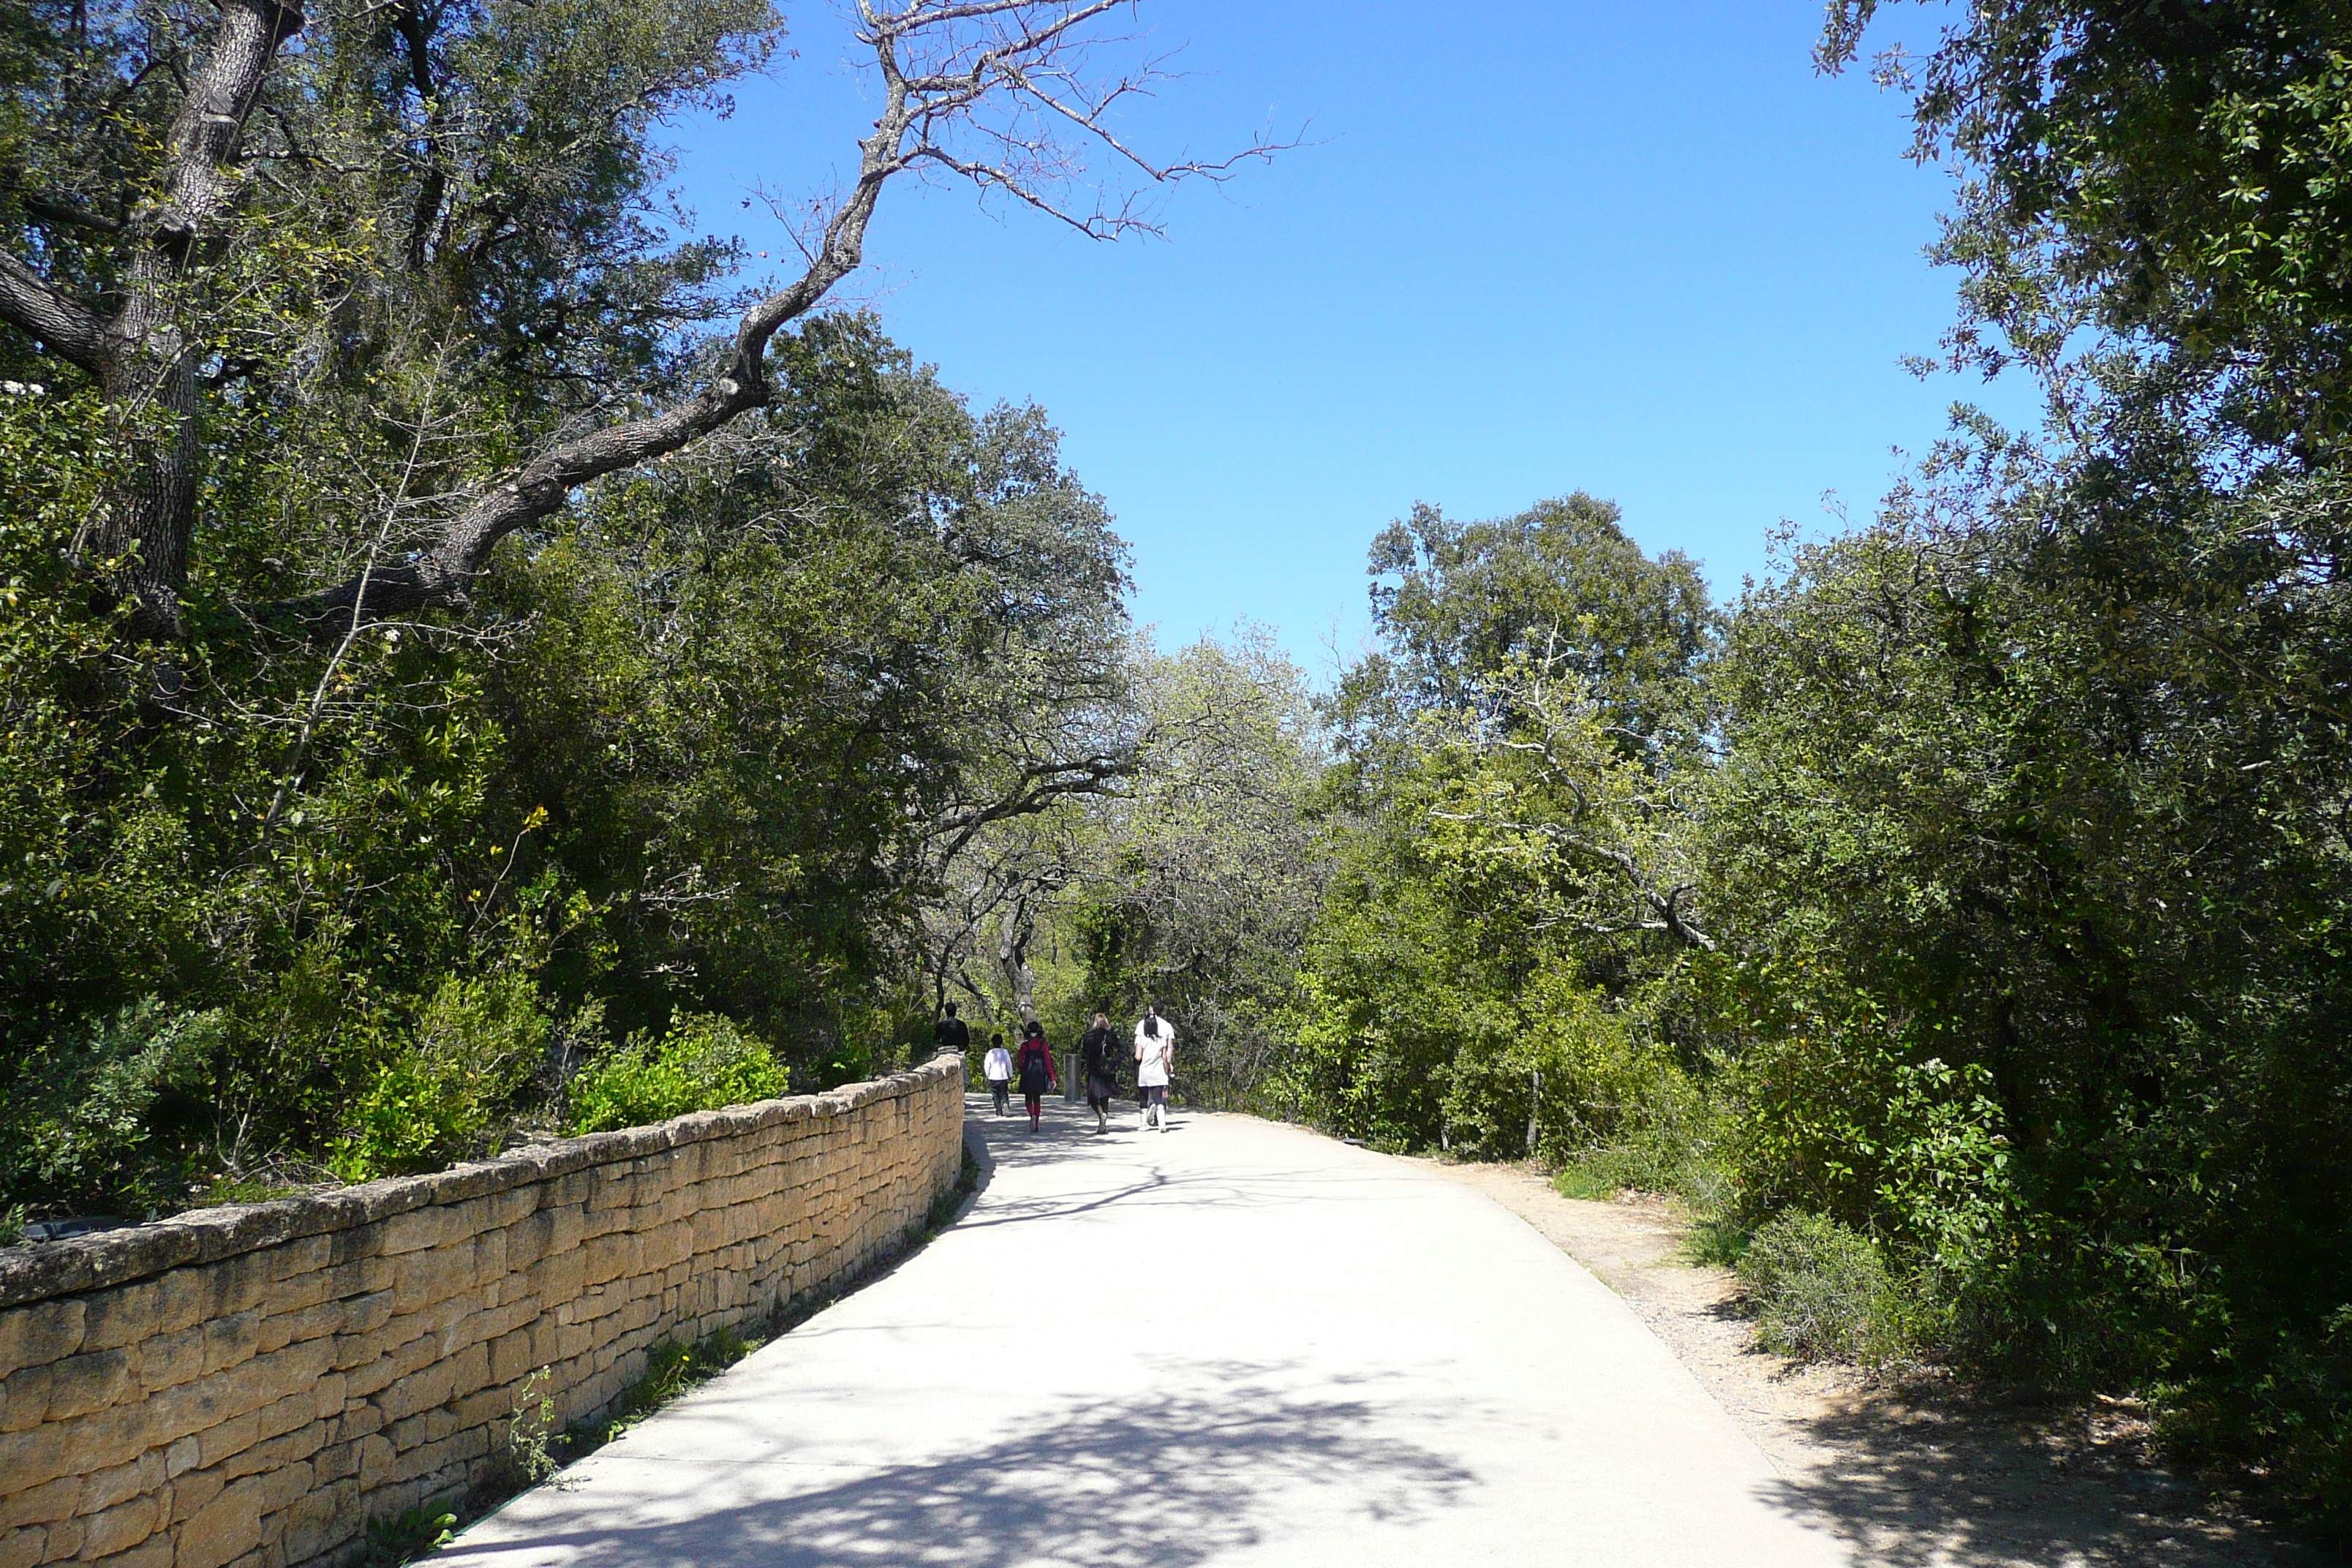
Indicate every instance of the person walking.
{"type": "Point", "coordinates": [997, 1068]}
{"type": "Point", "coordinates": [950, 1033]}
{"type": "Point", "coordinates": [1035, 1064]}
{"type": "Point", "coordinates": [1155, 1059]}
{"type": "Point", "coordinates": [1094, 1053]}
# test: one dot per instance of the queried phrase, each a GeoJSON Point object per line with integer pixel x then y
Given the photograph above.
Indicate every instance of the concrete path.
{"type": "Point", "coordinates": [1230, 1343]}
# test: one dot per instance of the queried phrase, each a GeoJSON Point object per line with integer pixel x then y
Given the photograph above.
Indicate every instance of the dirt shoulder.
{"type": "Point", "coordinates": [1913, 1478]}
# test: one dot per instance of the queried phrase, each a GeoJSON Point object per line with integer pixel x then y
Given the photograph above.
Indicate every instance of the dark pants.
{"type": "Point", "coordinates": [1002, 1090]}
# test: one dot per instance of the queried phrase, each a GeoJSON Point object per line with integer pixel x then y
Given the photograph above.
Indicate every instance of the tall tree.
{"type": "Point", "coordinates": [130, 244]}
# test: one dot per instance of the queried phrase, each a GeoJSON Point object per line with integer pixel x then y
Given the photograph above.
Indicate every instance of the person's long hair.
{"type": "Point", "coordinates": [1151, 1020]}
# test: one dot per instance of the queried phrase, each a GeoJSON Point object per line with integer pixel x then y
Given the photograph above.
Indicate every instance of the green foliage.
{"type": "Point", "coordinates": [704, 1063]}
{"type": "Point", "coordinates": [2173, 177]}
{"type": "Point", "coordinates": [88, 1119]}
{"type": "Point", "coordinates": [1502, 964]}
{"type": "Point", "coordinates": [698, 761]}
{"type": "Point", "coordinates": [1821, 1291]}
{"type": "Point", "coordinates": [402, 1538]}
{"type": "Point", "coordinates": [530, 1433]}
{"type": "Point", "coordinates": [475, 1047]}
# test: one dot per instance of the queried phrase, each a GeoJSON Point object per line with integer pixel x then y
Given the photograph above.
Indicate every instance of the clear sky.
{"type": "Point", "coordinates": [1635, 248]}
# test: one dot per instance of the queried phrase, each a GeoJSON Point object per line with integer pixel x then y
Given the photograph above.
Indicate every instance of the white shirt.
{"type": "Point", "coordinates": [1153, 1054]}
{"type": "Point", "coordinates": [997, 1065]}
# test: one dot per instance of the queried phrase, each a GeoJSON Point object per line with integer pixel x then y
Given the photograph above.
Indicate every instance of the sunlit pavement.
{"type": "Point", "coordinates": [1231, 1342]}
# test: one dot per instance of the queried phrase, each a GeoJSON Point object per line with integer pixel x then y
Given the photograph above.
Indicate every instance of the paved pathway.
{"type": "Point", "coordinates": [1230, 1343]}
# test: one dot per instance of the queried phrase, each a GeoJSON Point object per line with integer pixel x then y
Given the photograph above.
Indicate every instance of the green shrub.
{"type": "Point", "coordinates": [703, 1063]}
{"type": "Point", "coordinates": [1821, 1290]}
{"type": "Point", "coordinates": [80, 1127]}
{"type": "Point", "coordinates": [476, 1046]}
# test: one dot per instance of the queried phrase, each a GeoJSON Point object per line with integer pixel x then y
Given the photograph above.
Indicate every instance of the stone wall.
{"type": "Point", "coordinates": [250, 1385]}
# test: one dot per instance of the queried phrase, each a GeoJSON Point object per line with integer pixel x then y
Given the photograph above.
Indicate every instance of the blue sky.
{"type": "Point", "coordinates": [1639, 250]}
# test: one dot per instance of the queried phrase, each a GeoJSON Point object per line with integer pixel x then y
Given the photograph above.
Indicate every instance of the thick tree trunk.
{"type": "Point", "coordinates": [147, 519]}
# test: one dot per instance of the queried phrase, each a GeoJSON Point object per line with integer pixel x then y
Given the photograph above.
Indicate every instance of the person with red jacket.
{"type": "Point", "coordinates": [1034, 1065]}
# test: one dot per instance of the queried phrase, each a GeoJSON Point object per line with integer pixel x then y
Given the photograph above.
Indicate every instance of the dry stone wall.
{"type": "Point", "coordinates": [249, 1386]}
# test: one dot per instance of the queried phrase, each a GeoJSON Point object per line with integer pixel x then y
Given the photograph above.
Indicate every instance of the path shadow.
{"type": "Point", "coordinates": [1168, 1482]}
{"type": "Point", "coordinates": [1959, 1478]}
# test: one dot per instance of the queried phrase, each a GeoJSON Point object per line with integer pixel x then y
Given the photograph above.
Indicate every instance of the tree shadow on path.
{"type": "Point", "coordinates": [1959, 1480]}
{"type": "Point", "coordinates": [1167, 1483]}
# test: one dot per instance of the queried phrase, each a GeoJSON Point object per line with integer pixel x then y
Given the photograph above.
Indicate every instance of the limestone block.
{"type": "Point", "coordinates": [334, 1462]}
{"type": "Point", "coordinates": [45, 1504]}
{"type": "Point", "coordinates": [192, 1492]}
{"type": "Point", "coordinates": [323, 1520]}
{"type": "Point", "coordinates": [490, 1255]}
{"type": "Point", "coordinates": [297, 1410]}
{"type": "Point", "coordinates": [168, 1360]}
{"type": "Point", "coordinates": [302, 1254]}
{"type": "Point", "coordinates": [429, 1386]}
{"type": "Point", "coordinates": [432, 1225]}
{"type": "Point", "coordinates": [227, 1438]}
{"type": "Point", "coordinates": [119, 1528]}
{"type": "Point", "coordinates": [559, 1277]}
{"type": "Point", "coordinates": [63, 1541]}
{"type": "Point", "coordinates": [231, 1338]}
{"type": "Point", "coordinates": [236, 1284]}
{"type": "Point", "coordinates": [327, 1394]}
{"type": "Point", "coordinates": [103, 1489]}
{"type": "Point", "coordinates": [358, 1276]}
{"type": "Point", "coordinates": [490, 1410]}
{"type": "Point", "coordinates": [227, 1528]}
{"type": "Point", "coordinates": [24, 1548]}
{"type": "Point", "coordinates": [314, 1320]}
{"type": "Point", "coordinates": [98, 1441]}
{"type": "Point", "coordinates": [368, 1377]}
{"type": "Point", "coordinates": [38, 1334]}
{"type": "Point", "coordinates": [290, 1373]}
{"type": "Point", "coordinates": [470, 1369]}
{"type": "Point", "coordinates": [273, 1455]}
{"type": "Point", "coordinates": [378, 1461]}
{"type": "Point", "coordinates": [527, 1239]}
{"type": "Point", "coordinates": [24, 1398]}
{"type": "Point", "coordinates": [421, 1279]}
{"type": "Point", "coordinates": [510, 1359]}
{"type": "Point", "coordinates": [366, 1312]}
{"type": "Point", "coordinates": [96, 1380]}
{"type": "Point", "coordinates": [121, 1316]}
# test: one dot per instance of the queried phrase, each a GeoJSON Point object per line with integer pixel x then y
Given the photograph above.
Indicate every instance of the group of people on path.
{"type": "Point", "coordinates": [1154, 1054]}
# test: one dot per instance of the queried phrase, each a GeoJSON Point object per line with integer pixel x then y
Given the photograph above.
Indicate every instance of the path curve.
{"type": "Point", "coordinates": [1231, 1343]}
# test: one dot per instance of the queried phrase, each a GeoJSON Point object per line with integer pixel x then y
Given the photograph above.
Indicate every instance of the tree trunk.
{"type": "Point", "coordinates": [1013, 958]}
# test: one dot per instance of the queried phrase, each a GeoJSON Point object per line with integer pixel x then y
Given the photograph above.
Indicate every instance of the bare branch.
{"type": "Point", "coordinates": [972, 54]}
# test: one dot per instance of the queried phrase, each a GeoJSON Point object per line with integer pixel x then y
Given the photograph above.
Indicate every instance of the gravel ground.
{"type": "Point", "coordinates": [1914, 1478]}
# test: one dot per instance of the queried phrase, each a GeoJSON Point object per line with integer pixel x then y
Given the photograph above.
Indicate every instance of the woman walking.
{"type": "Point", "coordinates": [1155, 1058]}
{"type": "Point", "coordinates": [1094, 1051]}
{"type": "Point", "coordinates": [997, 1068]}
{"type": "Point", "coordinates": [1035, 1063]}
